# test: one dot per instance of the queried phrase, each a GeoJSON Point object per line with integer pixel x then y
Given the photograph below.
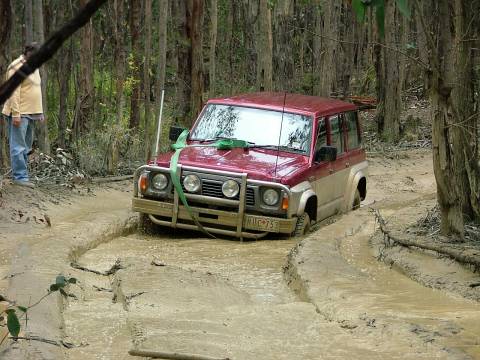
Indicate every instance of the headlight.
{"type": "Point", "coordinates": [159, 182]}
{"type": "Point", "coordinates": [191, 183]}
{"type": "Point", "coordinates": [230, 188]}
{"type": "Point", "coordinates": [270, 197]}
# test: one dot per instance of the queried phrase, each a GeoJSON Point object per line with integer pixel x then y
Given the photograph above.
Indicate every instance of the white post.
{"type": "Point", "coordinates": [159, 127]}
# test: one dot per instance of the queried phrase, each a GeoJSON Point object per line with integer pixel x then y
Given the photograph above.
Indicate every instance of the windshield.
{"type": "Point", "coordinates": [258, 126]}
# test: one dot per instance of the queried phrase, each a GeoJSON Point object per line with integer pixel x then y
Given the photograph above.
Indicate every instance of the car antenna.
{"type": "Point", "coordinates": [159, 127]}
{"type": "Point", "coordinates": [280, 134]}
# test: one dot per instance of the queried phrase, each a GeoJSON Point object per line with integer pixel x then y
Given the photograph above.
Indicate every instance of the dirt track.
{"type": "Point", "coordinates": [330, 299]}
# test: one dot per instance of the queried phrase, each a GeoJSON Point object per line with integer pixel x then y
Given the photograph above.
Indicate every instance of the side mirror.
{"type": "Point", "coordinates": [326, 153]}
{"type": "Point", "coordinates": [175, 132]}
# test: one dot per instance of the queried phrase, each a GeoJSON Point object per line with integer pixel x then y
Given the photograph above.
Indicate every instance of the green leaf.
{"type": "Point", "coordinates": [54, 287]}
{"type": "Point", "coordinates": [359, 9]}
{"type": "Point", "coordinates": [22, 308]}
{"type": "Point", "coordinates": [63, 293]}
{"type": "Point", "coordinates": [404, 8]}
{"type": "Point", "coordinates": [60, 280]}
{"type": "Point", "coordinates": [72, 281]}
{"type": "Point", "coordinates": [13, 324]}
{"type": "Point", "coordinates": [380, 15]}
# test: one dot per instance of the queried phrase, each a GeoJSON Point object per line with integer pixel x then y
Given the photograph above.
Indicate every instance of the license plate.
{"type": "Point", "coordinates": [261, 223]}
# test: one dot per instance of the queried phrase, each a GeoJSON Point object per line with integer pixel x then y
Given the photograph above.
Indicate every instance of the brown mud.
{"type": "Point", "coordinates": [328, 298]}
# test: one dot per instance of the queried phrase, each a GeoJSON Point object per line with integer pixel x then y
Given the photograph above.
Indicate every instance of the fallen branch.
{"type": "Point", "coordinates": [115, 267]}
{"type": "Point", "coordinates": [47, 341]}
{"type": "Point", "coordinates": [171, 356]}
{"type": "Point", "coordinates": [99, 180]}
{"type": "Point", "coordinates": [391, 239]}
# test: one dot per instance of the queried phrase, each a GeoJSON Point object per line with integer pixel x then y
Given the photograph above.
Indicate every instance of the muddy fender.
{"type": "Point", "coordinates": [355, 176]}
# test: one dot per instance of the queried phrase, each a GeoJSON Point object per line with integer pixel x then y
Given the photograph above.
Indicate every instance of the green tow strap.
{"type": "Point", "coordinates": [224, 144]}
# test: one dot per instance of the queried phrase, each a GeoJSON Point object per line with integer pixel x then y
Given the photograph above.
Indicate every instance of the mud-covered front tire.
{"type": "Point", "coordinates": [145, 225]}
{"type": "Point", "coordinates": [357, 199]}
{"type": "Point", "coordinates": [303, 225]}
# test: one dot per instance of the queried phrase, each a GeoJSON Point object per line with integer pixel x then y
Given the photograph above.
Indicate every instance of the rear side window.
{"type": "Point", "coordinates": [321, 135]}
{"type": "Point", "coordinates": [354, 140]}
{"type": "Point", "coordinates": [336, 130]}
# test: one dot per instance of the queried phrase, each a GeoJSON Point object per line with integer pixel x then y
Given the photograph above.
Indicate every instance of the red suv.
{"type": "Point", "coordinates": [257, 163]}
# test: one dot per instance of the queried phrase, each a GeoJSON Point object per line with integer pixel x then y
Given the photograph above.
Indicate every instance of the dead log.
{"type": "Point", "coordinates": [108, 179]}
{"type": "Point", "coordinates": [171, 356]}
{"type": "Point", "coordinates": [392, 239]}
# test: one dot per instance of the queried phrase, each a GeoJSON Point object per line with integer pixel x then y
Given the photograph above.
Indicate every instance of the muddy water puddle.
{"type": "Point", "coordinates": [434, 315]}
{"type": "Point", "coordinates": [226, 298]}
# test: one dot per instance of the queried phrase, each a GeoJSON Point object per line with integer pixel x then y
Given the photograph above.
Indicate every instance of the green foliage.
{"type": "Point", "coordinates": [13, 324]}
{"type": "Point", "coordinates": [360, 8]}
{"type": "Point", "coordinates": [13, 321]}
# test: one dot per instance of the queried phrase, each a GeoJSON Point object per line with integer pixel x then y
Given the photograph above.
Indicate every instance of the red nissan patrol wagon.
{"type": "Point", "coordinates": [257, 163]}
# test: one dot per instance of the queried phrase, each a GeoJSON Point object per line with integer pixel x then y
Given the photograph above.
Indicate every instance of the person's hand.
{"type": "Point", "coordinates": [42, 118]}
{"type": "Point", "coordinates": [17, 120]}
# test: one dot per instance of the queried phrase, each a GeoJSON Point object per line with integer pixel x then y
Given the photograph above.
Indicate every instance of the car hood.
{"type": "Point", "coordinates": [258, 163]}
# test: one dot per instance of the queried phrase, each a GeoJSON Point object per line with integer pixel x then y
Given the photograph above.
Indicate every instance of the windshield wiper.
{"type": "Point", "coordinates": [281, 147]}
{"type": "Point", "coordinates": [223, 138]}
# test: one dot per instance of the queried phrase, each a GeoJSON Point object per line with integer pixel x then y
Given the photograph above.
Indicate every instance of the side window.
{"type": "Point", "coordinates": [321, 135]}
{"type": "Point", "coordinates": [352, 129]}
{"type": "Point", "coordinates": [336, 130]}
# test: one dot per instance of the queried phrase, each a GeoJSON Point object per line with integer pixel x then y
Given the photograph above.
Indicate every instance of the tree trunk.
{"type": "Point", "coordinates": [455, 144]}
{"type": "Point", "coordinates": [65, 64]}
{"type": "Point", "coordinates": [119, 51]}
{"type": "Point", "coordinates": [213, 47]}
{"type": "Point", "coordinates": [283, 48]}
{"type": "Point", "coordinates": [392, 82]}
{"type": "Point", "coordinates": [41, 129]}
{"type": "Point", "coordinates": [85, 97]}
{"type": "Point", "coordinates": [195, 31]}
{"type": "Point", "coordinates": [135, 11]}
{"type": "Point", "coordinates": [146, 76]}
{"type": "Point", "coordinates": [264, 47]}
{"type": "Point", "coordinates": [5, 32]}
{"type": "Point", "coordinates": [184, 74]}
{"type": "Point", "coordinates": [28, 25]}
{"type": "Point", "coordinates": [162, 53]}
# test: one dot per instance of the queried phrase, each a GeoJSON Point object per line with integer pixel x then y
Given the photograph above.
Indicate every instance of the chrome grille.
{"type": "Point", "coordinates": [214, 189]}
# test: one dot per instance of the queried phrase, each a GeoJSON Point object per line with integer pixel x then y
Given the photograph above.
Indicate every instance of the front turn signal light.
{"type": "Point", "coordinates": [285, 203]}
{"type": "Point", "coordinates": [143, 183]}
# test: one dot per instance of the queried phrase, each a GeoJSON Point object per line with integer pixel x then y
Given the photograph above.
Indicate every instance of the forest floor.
{"type": "Point", "coordinates": [340, 293]}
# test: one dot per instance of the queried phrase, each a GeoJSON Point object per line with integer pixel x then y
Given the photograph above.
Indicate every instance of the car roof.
{"type": "Point", "coordinates": [295, 103]}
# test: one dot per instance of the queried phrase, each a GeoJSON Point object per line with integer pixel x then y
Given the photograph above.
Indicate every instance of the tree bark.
{"type": "Point", "coordinates": [264, 48]}
{"type": "Point", "coordinates": [392, 98]}
{"type": "Point", "coordinates": [119, 51]}
{"type": "Point", "coordinates": [162, 53]}
{"type": "Point", "coordinates": [28, 25]}
{"type": "Point", "coordinates": [195, 31]}
{"type": "Point", "coordinates": [135, 11]}
{"type": "Point", "coordinates": [213, 47]}
{"type": "Point", "coordinates": [65, 64]}
{"type": "Point", "coordinates": [5, 33]}
{"type": "Point", "coordinates": [146, 76]}
{"type": "Point", "coordinates": [85, 96]}
{"type": "Point", "coordinates": [283, 48]}
{"type": "Point", "coordinates": [455, 144]}
{"type": "Point", "coordinates": [41, 128]}
{"type": "Point", "coordinates": [184, 61]}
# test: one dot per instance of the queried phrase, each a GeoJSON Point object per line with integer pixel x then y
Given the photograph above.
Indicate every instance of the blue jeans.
{"type": "Point", "coordinates": [21, 140]}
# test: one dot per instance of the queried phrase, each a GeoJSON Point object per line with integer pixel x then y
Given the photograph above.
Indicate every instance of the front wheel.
{"type": "Point", "coordinates": [145, 225]}
{"type": "Point", "coordinates": [303, 225]}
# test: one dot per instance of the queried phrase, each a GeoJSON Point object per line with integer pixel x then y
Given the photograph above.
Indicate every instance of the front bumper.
{"type": "Point", "coordinates": [214, 221]}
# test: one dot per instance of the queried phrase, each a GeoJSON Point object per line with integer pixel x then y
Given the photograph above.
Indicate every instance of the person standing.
{"type": "Point", "coordinates": [21, 110]}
